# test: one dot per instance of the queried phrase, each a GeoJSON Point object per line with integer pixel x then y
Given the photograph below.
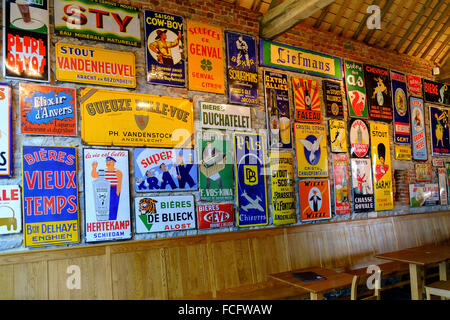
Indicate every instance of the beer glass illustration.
{"type": "Point", "coordinates": [24, 8]}
{"type": "Point", "coordinates": [285, 130]}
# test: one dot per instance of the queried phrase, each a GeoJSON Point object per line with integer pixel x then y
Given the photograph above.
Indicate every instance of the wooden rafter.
{"type": "Point", "coordinates": [338, 17]}
{"type": "Point", "coordinates": [384, 10]}
{"type": "Point", "coordinates": [363, 23]}
{"type": "Point", "coordinates": [321, 17]}
{"type": "Point", "coordinates": [439, 34]}
{"type": "Point", "coordinates": [385, 28]}
{"type": "Point", "coordinates": [412, 6]}
{"type": "Point", "coordinates": [442, 46]}
{"type": "Point", "coordinates": [353, 7]}
{"type": "Point", "coordinates": [445, 68]}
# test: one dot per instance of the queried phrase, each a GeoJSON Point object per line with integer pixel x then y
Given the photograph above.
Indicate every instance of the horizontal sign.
{"type": "Point", "coordinates": [225, 116]}
{"type": "Point", "coordinates": [402, 152]}
{"type": "Point", "coordinates": [436, 92]}
{"type": "Point", "coordinates": [6, 151]}
{"type": "Point", "coordinates": [217, 215]}
{"type": "Point", "coordinates": [10, 209]}
{"type": "Point", "coordinates": [424, 194]}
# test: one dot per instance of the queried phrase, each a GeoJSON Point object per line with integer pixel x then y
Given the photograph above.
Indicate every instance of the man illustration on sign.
{"type": "Point", "coordinates": [151, 181]}
{"type": "Point", "coordinates": [163, 48]}
{"type": "Point", "coordinates": [183, 175]}
{"type": "Point", "coordinates": [361, 180]}
{"type": "Point", "coordinates": [382, 168]}
{"type": "Point", "coordinates": [314, 199]}
{"type": "Point", "coordinates": [242, 48]}
{"type": "Point", "coordinates": [166, 177]}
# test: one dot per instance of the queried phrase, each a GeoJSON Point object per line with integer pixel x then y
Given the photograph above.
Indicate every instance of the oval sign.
{"type": "Point", "coordinates": [217, 216]}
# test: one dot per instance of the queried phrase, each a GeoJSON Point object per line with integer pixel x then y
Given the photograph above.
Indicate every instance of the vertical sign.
{"type": "Point", "coordinates": [359, 139]}
{"type": "Point", "coordinates": [415, 84]}
{"type": "Point", "coordinates": [283, 187]}
{"type": "Point", "coordinates": [10, 210]}
{"type": "Point", "coordinates": [333, 98]}
{"type": "Point", "coordinates": [311, 150]}
{"type": "Point", "coordinates": [440, 135]}
{"type": "Point", "coordinates": [205, 55]}
{"type": "Point", "coordinates": [436, 92]}
{"type": "Point", "coordinates": [419, 141]}
{"type": "Point", "coordinates": [106, 195]}
{"type": "Point", "coordinates": [424, 171]}
{"type": "Point", "coordinates": [356, 92]}
{"type": "Point", "coordinates": [165, 49]}
{"type": "Point", "coordinates": [277, 110]}
{"type": "Point", "coordinates": [340, 173]}
{"type": "Point", "coordinates": [50, 196]}
{"type": "Point", "coordinates": [362, 187]}
{"type": "Point", "coordinates": [378, 89]}
{"type": "Point", "coordinates": [442, 179]}
{"type": "Point", "coordinates": [338, 135]}
{"type": "Point", "coordinates": [6, 154]}
{"type": "Point", "coordinates": [251, 192]}
{"type": "Point", "coordinates": [25, 40]}
{"type": "Point", "coordinates": [242, 71]}
{"type": "Point", "coordinates": [402, 133]}
{"type": "Point", "coordinates": [447, 169]}
{"type": "Point", "coordinates": [306, 100]}
{"type": "Point", "coordinates": [314, 200]}
{"type": "Point", "coordinates": [217, 215]}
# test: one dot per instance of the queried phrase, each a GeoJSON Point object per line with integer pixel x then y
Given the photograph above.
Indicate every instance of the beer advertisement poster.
{"type": "Point", "coordinates": [402, 126]}
{"type": "Point", "coordinates": [378, 90]}
{"type": "Point", "coordinates": [106, 194]}
{"type": "Point", "coordinates": [283, 188]}
{"type": "Point", "coordinates": [217, 215]}
{"type": "Point", "coordinates": [419, 141]}
{"type": "Point", "coordinates": [242, 69]}
{"type": "Point", "coordinates": [277, 110]}
{"type": "Point", "coordinates": [225, 116]}
{"type": "Point", "coordinates": [47, 110]}
{"type": "Point", "coordinates": [359, 138]}
{"type": "Point", "coordinates": [314, 200]}
{"type": "Point", "coordinates": [402, 152]}
{"type": "Point", "coordinates": [98, 20]}
{"type": "Point", "coordinates": [133, 119]}
{"type": "Point", "coordinates": [250, 179]}
{"type": "Point", "coordinates": [356, 92]}
{"type": "Point", "coordinates": [338, 135]}
{"type": "Point", "coordinates": [10, 209]}
{"type": "Point", "coordinates": [6, 151]}
{"type": "Point", "coordinates": [165, 49]}
{"type": "Point", "coordinates": [440, 135]}
{"type": "Point", "coordinates": [442, 179]}
{"type": "Point", "coordinates": [311, 150]}
{"type": "Point", "coordinates": [362, 186]}
{"type": "Point", "coordinates": [333, 99]}
{"type": "Point", "coordinates": [159, 170]}
{"type": "Point", "coordinates": [381, 166]}
{"type": "Point", "coordinates": [50, 196]}
{"type": "Point", "coordinates": [164, 213]}
{"type": "Point", "coordinates": [341, 184]}
{"type": "Point", "coordinates": [26, 40]}
{"type": "Point", "coordinates": [437, 162]}
{"type": "Point", "coordinates": [216, 165]}
{"type": "Point", "coordinates": [415, 84]}
{"type": "Point", "coordinates": [436, 92]}
{"type": "Point", "coordinates": [423, 195]}
{"type": "Point", "coordinates": [424, 171]}
{"type": "Point", "coordinates": [206, 57]}
{"type": "Point", "coordinates": [306, 100]}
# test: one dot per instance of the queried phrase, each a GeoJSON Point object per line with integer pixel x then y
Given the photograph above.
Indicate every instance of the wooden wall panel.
{"type": "Point", "coordinates": [30, 281]}
{"type": "Point", "coordinates": [413, 231]}
{"type": "Point", "coordinates": [303, 248]}
{"type": "Point", "coordinates": [382, 235]}
{"type": "Point", "coordinates": [333, 248]}
{"type": "Point", "coordinates": [360, 244]}
{"type": "Point", "coordinates": [6, 282]}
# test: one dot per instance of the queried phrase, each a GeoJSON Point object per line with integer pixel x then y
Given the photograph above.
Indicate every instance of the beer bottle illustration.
{"type": "Point", "coordinates": [344, 186]}
{"type": "Point", "coordinates": [307, 97]}
{"type": "Point", "coordinates": [274, 120]}
{"type": "Point", "coordinates": [102, 190]}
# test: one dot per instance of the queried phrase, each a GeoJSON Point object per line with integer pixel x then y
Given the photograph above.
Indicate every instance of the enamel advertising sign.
{"type": "Point", "coordinates": [333, 99]}
{"type": "Point", "coordinates": [242, 70]}
{"type": "Point", "coordinates": [341, 185]}
{"type": "Point", "coordinates": [10, 209]}
{"type": "Point", "coordinates": [338, 135]}
{"type": "Point", "coordinates": [447, 168]}
{"type": "Point", "coordinates": [95, 66]}
{"type": "Point", "coordinates": [402, 152]}
{"type": "Point", "coordinates": [359, 138]}
{"type": "Point", "coordinates": [419, 142]}
{"type": "Point", "coordinates": [314, 200]}
{"type": "Point", "coordinates": [47, 110]}
{"type": "Point", "coordinates": [225, 116]}
{"type": "Point", "coordinates": [362, 186]}
{"type": "Point", "coordinates": [135, 119]}
{"type": "Point", "coordinates": [423, 195]}
{"type": "Point", "coordinates": [251, 186]}
{"type": "Point", "coordinates": [50, 196]}
{"type": "Point", "coordinates": [306, 100]}
{"type": "Point", "coordinates": [206, 57]}
{"type": "Point", "coordinates": [159, 170]}
{"type": "Point", "coordinates": [436, 92]}
{"type": "Point", "coordinates": [165, 45]}
{"type": "Point", "coordinates": [26, 40]}
{"type": "Point", "coordinates": [6, 153]}
{"type": "Point", "coordinates": [356, 92]}
{"type": "Point", "coordinates": [378, 89]}
{"type": "Point", "coordinates": [106, 195]}
{"type": "Point", "coordinates": [442, 179]}
{"type": "Point", "coordinates": [415, 84]}
{"type": "Point", "coordinates": [217, 215]}
{"type": "Point", "coordinates": [439, 127]}
{"type": "Point", "coordinates": [171, 213]}
{"type": "Point", "coordinates": [105, 21]}
{"type": "Point", "coordinates": [402, 125]}
{"type": "Point", "coordinates": [311, 150]}
{"type": "Point", "coordinates": [277, 110]}
{"type": "Point", "coordinates": [283, 188]}
{"type": "Point", "coordinates": [424, 171]}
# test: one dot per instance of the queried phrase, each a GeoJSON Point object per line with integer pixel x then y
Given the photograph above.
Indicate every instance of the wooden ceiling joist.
{"type": "Point", "coordinates": [337, 19]}
{"type": "Point", "coordinates": [412, 6]}
{"type": "Point", "coordinates": [385, 28]}
{"type": "Point", "coordinates": [353, 5]}
{"type": "Point", "coordinates": [441, 48]}
{"type": "Point", "coordinates": [436, 38]}
{"type": "Point", "coordinates": [384, 10]}
{"type": "Point", "coordinates": [363, 23]}
{"type": "Point", "coordinates": [321, 17]}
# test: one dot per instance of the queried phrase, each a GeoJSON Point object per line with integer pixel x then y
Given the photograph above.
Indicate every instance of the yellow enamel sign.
{"type": "Point", "coordinates": [135, 119]}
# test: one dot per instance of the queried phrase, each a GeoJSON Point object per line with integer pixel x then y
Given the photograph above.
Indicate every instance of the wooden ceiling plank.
{"type": "Point", "coordinates": [338, 17]}
{"type": "Point", "coordinates": [439, 50]}
{"type": "Point", "coordinates": [322, 16]}
{"type": "Point", "coordinates": [384, 11]}
{"type": "Point", "coordinates": [412, 6]}
{"type": "Point", "coordinates": [363, 23]}
{"type": "Point", "coordinates": [384, 30]}
{"type": "Point", "coordinates": [439, 34]}
{"type": "Point", "coordinates": [349, 21]}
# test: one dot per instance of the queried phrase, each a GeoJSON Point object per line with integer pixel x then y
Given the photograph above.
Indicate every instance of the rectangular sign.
{"type": "Point", "coordinates": [165, 213]}
{"type": "Point", "coordinates": [378, 89]}
{"type": "Point", "coordinates": [442, 180]}
{"type": "Point", "coordinates": [437, 162]}
{"type": "Point", "coordinates": [332, 97]}
{"type": "Point", "coordinates": [314, 200]}
{"type": "Point", "coordinates": [106, 195]}
{"type": "Point", "coordinates": [311, 150]}
{"type": "Point", "coordinates": [418, 134]}
{"type": "Point", "coordinates": [206, 57]}
{"type": "Point", "coordinates": [423, 195]}
{"type": "Point", "coordinates": [340, 175]}
{"type": "Point", "coordinates": [99, 20]}
{"type": "Point", "coordinates": [6, 151]}
{"type": "Point", "coordinates": [165, 49]}
{"type": "Point", "coordinates": [402, 152]}
{"type": "Point", "coordinates": [415, 84]}
{"type": "Point", "coordinates": [356, 92]}
{"type": "Point", "coordinates": [402, 126]}
{"type": "Point", "coordinates": [282, 56]}
{"type": "Point", "coordinates": [283, 188]}
{"type": "Point", "coordinates": [338, 135]}
{"type": "Point", "coordinates": [436, 92]}
{"type": "Point", "coordinates": [225, 116]}
{"type": "Point", "coordinates": [135, 119]}
{"type": "Point", "coordinates": [242, 69]}
{"type": "Point", "coordinates": [250, 178]}
{"type": "Point", "coordinates": [447, 169]}
{"type": "Point", "coordinates": [306, 100]}
{"type": "Point", "coordinates": [159, 170]}
{"type": "Point", "coordinates": [47, 110]}
{"type": "Point", "coordinates": [440, 133]}
{"type": "Point", "coordinates": [217, 215]}
{"type": "Point", "coordinates": [50, 196]}
{"type": "Point", "coordinates": [95, 66]}
{"type": "Point", "coordinates": [362, 186]}
{"type": "Point", "coordinates": [10, 209]}
{"type": "Point", "coordinates": [424, 171]}
{"type": "Point", "coordinates": [278, 113]}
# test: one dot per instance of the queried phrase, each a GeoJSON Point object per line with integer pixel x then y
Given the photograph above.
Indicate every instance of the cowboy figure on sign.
{"type": "Point", "coordinates": [163, 48]}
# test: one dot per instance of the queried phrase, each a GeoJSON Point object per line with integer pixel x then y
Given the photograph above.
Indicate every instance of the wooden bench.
{"type": "Point", "coordinates": [439, 288]}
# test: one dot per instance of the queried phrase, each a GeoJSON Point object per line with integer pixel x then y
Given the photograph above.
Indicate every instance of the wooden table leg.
{"type": "Point", "coordinates": [416, 279]}
{"type": "Point", "coordinates": [316, 296]}
{"type": "Point", "coordinates": [443, 274]}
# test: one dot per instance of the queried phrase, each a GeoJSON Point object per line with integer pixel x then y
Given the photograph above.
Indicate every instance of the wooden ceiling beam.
{"type": "Point", "coordinates": [412, 6]}
{"type": "Point", "coordinates": [439, 50]}
{"type": "Point", "coordinates": [352, 6]}
{"type": "Point", "coordinates": [363, 22]}
{"type": "Point", "coordinates": [382, 33]}
{"type": "Point", "coordinates": [445, 68]}
{"type": "Point", "coordinates": [338, 17]}
{"type": "Point", "coordinates": [384, 10]}
{"type": "Point", "coordinates": [321, 17]}
{"type": "Point", "coordinates": [439, 34]}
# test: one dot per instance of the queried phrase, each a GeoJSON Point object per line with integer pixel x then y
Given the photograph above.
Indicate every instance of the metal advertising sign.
{"type": "Point", "coordinates": [424, 171]}
{"type": "Point", "coordinates": [283, 187]}
{"type": "Point", "coordinates": [423, 194]}
{"type": "Point", "coordinates": [333, 99]}
{"type": "Point", "coordinates": [171, 213]}
{"type": "Point", "coordinates": [50, 196]}
{"type": "Point", "coordinates": [341, 186]}
{"type": "Point", "coordinates": [338, 135]}
{"type": "Point", "coordinates": [106, 195]}
{"type": "Point", "coordinates": [47, 110]}
{"type": "Point", "coordinates": [442, 179]}
{"type": "Point", "coordinates": [165, 45]}
{"type": "Point", "coordinates": [158, 170]}
{"type": "Point", "coordinates": [217, 215]}
{"type": "Point", "coordinates": [10, 209]}
{"type": "Point", "coordinates": [277, 110]}
{"type": "Point", "coordinates": [306, 100]}
{"type": "Point", "coordinates": [362, 186]}
{"type": "Point", "coordinates": [378, 90]}
{"type": "Point", "coordinates": [251, 187]}
{"type": "Point", "coordinates": [415, 84]}
{"type": "Point", "coordinates": [225, 116]}
{"type": "Point", "coordinates": [135, 119]}
{"type": "Point", "coordinates": [419, 141]}
{"type": "Point", "coordinates": [437, 162]}
{"type": "Point", "coordinates": [402, 152]}
{"type": "Point", "coordinates": [205, 56]}
{"type": "Point", "coordinates": [216, 166]}
{"type": "Point", "coordinates": [6, 151]}
{"type": "Point", "coordinates": [439, 127]}
{"type": "Point", "coordinates": [314, 200]}
{"type": "Point", "coordinates": [311, 150]}
{"type": "Point", "coordinates": [436, 92]}
{"type": "Point", "coordinates": [242, 69]}
{"type": "Point", "coordinates": [359, 139]}
{"type": "Point", "coordinates": [356, 92]}
{"type": "Point", "coordinates": [402, 127]}
{"type": "Point", "coordinates": [447, 169]}
{"type": "Point", "coordinates": [95, 66]}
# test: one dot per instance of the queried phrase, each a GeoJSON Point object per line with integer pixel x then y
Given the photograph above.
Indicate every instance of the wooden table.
{"type": "Point", "coordinates": [316, 288]}
{"type": "Point", "coordinates": [418, 258]}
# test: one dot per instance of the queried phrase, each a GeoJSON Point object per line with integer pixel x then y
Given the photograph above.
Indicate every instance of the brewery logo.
{"type": "Point", "coordinates": [359, 138]}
